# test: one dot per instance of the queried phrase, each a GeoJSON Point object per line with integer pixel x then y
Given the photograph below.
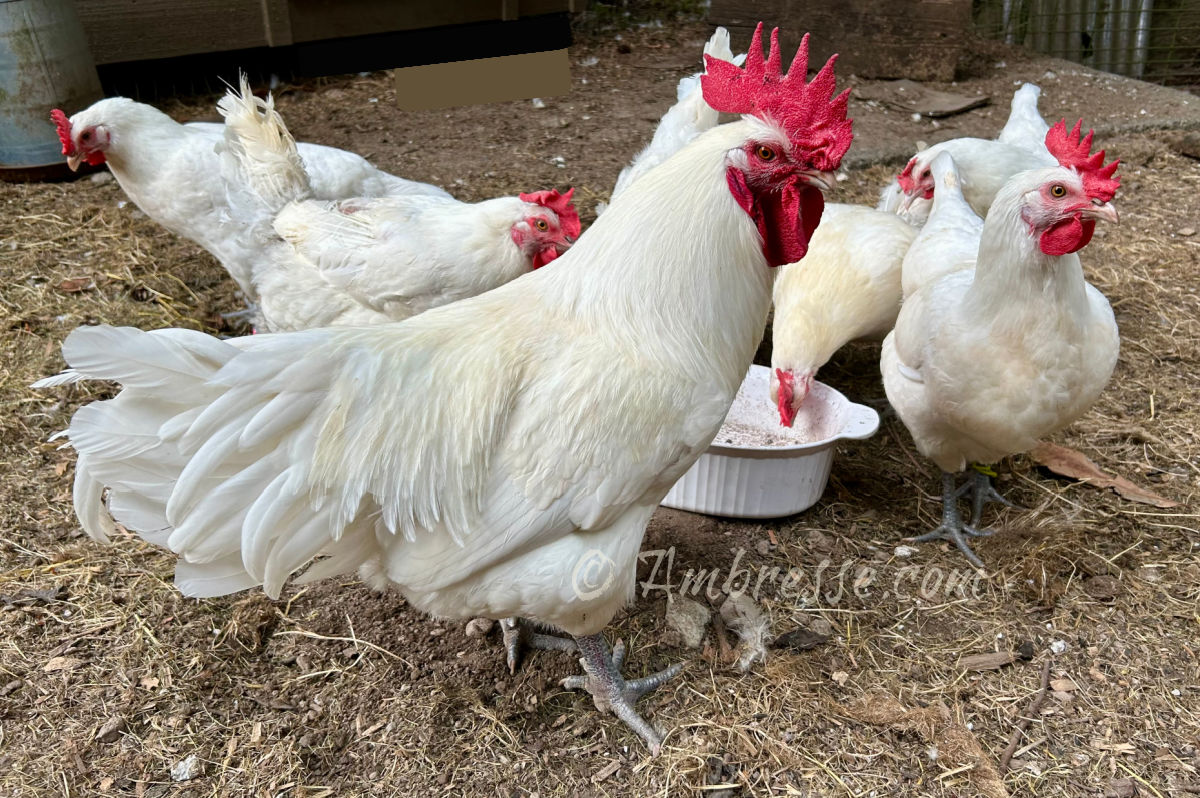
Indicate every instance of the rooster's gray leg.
{"type": "Point", "coordinates": [520, 634]}
{"type": "Point", "coordinates": [610, 691]}
{"type": "Point", "coordinates": [952, 527]}
{"type": "Point", "coordinates": [982, 492]}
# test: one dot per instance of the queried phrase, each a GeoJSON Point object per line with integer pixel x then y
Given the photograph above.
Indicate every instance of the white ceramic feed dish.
{"type": "Point", "coordinates": [757, 468]}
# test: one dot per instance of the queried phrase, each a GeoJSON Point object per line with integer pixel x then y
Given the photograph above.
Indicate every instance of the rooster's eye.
{"type": "Point", "coordinates": [765, 153]}
{"type": "Point", "coordinates": [541, 224]}
{"type": "Point", "coordinates": [1057, 191]}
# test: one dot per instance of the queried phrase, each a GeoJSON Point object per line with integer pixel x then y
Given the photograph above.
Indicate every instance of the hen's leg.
{"type": "Point", "coordinates": [520, 634]}
{"type": "Point", "coordinates": [610, 691]}
{"type": "Point", "coordinates": [952, 527]}
{"type": "Point", "coordinates": [982, 492]}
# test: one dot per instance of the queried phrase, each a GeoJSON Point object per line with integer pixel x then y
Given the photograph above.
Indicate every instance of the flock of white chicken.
{"type": "Point", "coordinates": [477, 441]}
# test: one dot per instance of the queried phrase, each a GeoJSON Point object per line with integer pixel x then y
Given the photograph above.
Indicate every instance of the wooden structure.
{"type": "Point", "coordinates": [917, 39]}
{"type": "Point", "coordinates": [137, 30]}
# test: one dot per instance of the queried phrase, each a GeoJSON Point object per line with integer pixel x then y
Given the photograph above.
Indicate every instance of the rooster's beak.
{"type": "Point", "coordinates": [822, 180]}
{"type": "Point", "coordinates": [73, 162]}
{"type": "Point", "coordinates": [1102, 210]}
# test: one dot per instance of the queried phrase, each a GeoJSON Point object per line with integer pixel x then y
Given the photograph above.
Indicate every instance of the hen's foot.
{"type": "Point", "coordinates": [246, 314]}
{"type": "Point", "coordinates": [982, 492]}
{"type": "Point", "coordinates": [610, 691]}
{"type": "Point", "coordinates": [952, 528]}
{"type": "Point", "coordinates": [520, 634]}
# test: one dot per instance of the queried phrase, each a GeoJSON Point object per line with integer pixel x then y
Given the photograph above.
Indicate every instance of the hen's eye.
{"type": "Point", "coordinates": [542, 225]}
{"type": "Point", "coordinates": [1057, 191]}
{"type": "Point", "coordinates": [87, 134]}
{"type": "Point", "coordinates": [765, 153]}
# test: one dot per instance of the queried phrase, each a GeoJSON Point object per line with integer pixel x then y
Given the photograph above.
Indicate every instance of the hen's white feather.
{"type": "Point", "coordinates": [847, 287]}
{"type": "Point", "coordinates": [1025, 127]}
{"type": "Point", "coordinates": [171, 171]}
{"type": "Point", "coordinates": [1005, 353]}
{"type": "Point", "coordinates": [358, 261]}
{"type": "Point", "coordinates": [949, 241]}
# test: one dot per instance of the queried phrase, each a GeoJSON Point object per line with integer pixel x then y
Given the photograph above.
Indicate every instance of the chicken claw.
{"type": "Point", "coordinates": [982, 492]}
{"type": "Point", "coordinates": [952, 528]}
{"type": "Point", "coordinates": [611, 692]}
{"type": "Point", "coordinates": [520, 634]}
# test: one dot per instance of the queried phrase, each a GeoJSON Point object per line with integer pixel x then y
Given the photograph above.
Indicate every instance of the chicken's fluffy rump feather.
{"type": "Point", "coordinates": [1025, 127]}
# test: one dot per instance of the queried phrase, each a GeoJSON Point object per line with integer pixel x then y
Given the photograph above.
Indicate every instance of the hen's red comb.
{"type": "Point", "coordinates": [1073, 151]}
{"type": "Point", "coordinates": [810, 113]}
{"type": "Point", "coordinates": [63, 126]}
{"type": "Point", "coordinates": [568, 218]}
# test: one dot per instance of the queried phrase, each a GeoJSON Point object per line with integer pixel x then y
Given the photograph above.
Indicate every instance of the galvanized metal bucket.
{"type": "Point", "coordinates": [44, 64]}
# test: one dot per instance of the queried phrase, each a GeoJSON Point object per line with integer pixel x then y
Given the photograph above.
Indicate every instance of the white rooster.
{"type": "Point", "coordinates": [171, 172]}
{"type": "Point", "coordinates": [499, 456]}
{"type": "Point", "coordinates": [983, 362]}
{"type": "Point", "coordinates": [371, 260]}
{"type": "Point", "coordinates": [847, 287]}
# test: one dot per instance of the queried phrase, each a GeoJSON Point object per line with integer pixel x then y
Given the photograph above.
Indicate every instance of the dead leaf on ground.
{"type": "Point", "coordinates": [76, 285]}
{"type": "Point", "coordinates": [988, 661]}
{"type": "Point", "coordinates": [62, 664]}
{"type": "Point", "coordinates": [800, 640]}
{"type": "Point", "coordinates": [1076, 465]}
{"type": "Point", "coordinates": [1063, 685]}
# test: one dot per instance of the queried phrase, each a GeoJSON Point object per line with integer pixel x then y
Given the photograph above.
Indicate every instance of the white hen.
{"type": "Point", "coordinates": [1025, 127]}
{"type": "Point", "coordinates": [984, 165]}
{"type": "Point", "coordinates": [949, 240]}
{"type": "Point", "coordinates": [499, 456]}
{"type": "Point", "coordinates": [372, 260]}
{"type": "Point", "coordinates": [986, 361]}
{"type": "Point", "coordinates": [847, 287]}
{"type": "Point", "coordinates": [171, 172]}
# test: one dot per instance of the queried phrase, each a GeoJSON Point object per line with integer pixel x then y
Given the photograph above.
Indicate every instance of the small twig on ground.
{"type": "Point", "coordinates": [1026, 718]}
{"type": "Point", "coordinates": [724, 652]}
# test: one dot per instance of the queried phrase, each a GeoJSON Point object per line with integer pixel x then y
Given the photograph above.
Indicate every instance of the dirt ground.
{"type": "Point", "coordinates": [109, 679]}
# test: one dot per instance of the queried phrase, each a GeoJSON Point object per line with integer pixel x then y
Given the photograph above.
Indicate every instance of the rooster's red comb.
{"type": "Point", "coordinates": [63, 126]}
{"type": "Point", "coordinates": [1075, 152]}
{"type": "Point", "coordinates": [568, 218]}
{"type": "Point", "coordinates": [812, 116]}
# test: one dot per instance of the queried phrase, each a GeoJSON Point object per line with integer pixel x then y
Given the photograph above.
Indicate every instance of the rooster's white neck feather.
{"type": "Point", "coordinates": [691, 291]}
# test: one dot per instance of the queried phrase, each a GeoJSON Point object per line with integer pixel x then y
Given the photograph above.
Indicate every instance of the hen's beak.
{"type": "Point", "coordinates": [909, 199]}
{"type": "Point", "coordinates": [822, 180]}
{"type": "Point", "coordinates": [1102, 210]}
{"type": "Point", "coordinates": [73, 161]}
